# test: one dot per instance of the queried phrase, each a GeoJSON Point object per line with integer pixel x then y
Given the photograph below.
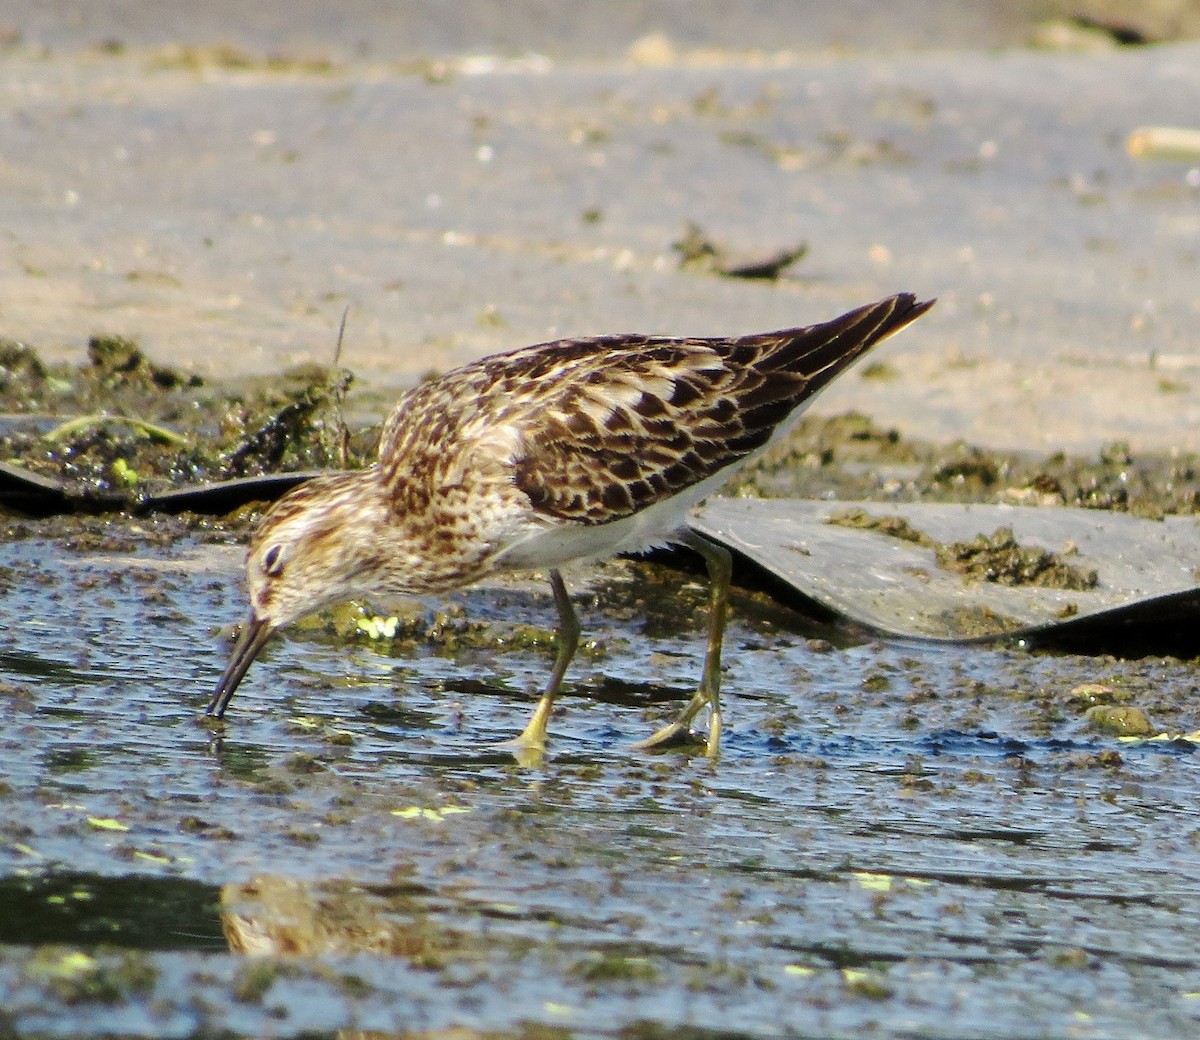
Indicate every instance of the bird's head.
{"type": "Point", "coordinates": [310, 551]}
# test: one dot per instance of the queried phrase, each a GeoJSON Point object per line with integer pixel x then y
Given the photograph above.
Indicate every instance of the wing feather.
{"type": "Point", "coordinates": [593, 430]}
{"type": "Point", "coordinates": [654, 416]}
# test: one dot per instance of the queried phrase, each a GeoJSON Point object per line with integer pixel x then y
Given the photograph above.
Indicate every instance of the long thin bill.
{"type": "Point", "coordinates": [253, 637]}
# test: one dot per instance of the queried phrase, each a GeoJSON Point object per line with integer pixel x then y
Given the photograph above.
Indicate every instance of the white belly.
{"type": "Point", "coordinates": [552, 543]}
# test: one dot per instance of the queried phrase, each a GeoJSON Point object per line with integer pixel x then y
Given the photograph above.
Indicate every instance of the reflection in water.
{"type": "Point", "coordinates": [274, 915]}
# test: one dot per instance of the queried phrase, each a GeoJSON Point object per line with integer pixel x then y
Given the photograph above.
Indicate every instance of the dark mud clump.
{"type": "Point", "coordinates": [999, 558]}
{"type": "Point", "coordinates": [698, 252]}
{"type": "Point", "coordinates": [891, 526]}
{"type": "Point", "coordinates": [116, 361]}
{"type": "Point", "coordinates": [20, 367]}
{"type": "Point", "coordinates": [265, 447]}
{"type": "Point", "coordinates": [979, 622]}
{"type": "Point", "coordinates": [119, 427]}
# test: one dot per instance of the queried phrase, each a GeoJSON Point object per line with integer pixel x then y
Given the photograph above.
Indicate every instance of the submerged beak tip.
{"type": "Point", "coordinates": [254, 634]}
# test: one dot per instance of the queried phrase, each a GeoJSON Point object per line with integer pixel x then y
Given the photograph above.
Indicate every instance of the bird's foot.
{"type": "Point", "coordinates": [529, 748]}
{"type": "Point", "coordinates": [679, 733]}
{"type": "Point", "coordinates": [528, 753]}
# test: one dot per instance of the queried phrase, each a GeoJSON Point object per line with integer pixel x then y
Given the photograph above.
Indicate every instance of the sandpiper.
{"type": "Point", "coordinates": [573, 450]}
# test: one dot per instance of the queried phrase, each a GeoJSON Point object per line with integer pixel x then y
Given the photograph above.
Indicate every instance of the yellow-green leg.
{"type": "Point", "coordinates": [720, 573]}
{"type": "Point", "coordinates": [529, 746]}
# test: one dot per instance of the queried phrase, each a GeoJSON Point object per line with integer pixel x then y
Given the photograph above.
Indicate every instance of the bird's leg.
{"type": "Point", "coordinates": [529, 746]}
{"type": "Point", "coordinates": [720, 573]}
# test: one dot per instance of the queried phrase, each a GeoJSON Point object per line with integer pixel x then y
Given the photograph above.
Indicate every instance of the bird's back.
{"type": "Point", "coordinates": [594, 430]}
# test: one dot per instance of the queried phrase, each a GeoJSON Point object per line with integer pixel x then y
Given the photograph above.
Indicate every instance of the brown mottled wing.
{"type": "Point", "coordinates": [644, 418]}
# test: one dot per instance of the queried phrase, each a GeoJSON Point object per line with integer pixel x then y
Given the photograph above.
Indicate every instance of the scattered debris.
{"type": "Point", "coordinates": [699, 252]}
{"type": "Point", "coordinates": [1121, 720]}
{"type": "Point", "coordinates": [72, 427]}
{"type": "Point", "coordinates": [1164, 142]}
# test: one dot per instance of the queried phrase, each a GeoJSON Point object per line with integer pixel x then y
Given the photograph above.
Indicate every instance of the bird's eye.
{"type": "Point", "coordinates": [272, 564]}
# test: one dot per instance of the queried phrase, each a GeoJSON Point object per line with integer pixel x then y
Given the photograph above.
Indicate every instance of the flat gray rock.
{"type": "Point", "coordinates": [1143, 567]}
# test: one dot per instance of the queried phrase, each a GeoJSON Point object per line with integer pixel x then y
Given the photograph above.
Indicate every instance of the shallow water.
{"type": "Point", "coordinates": [898, 840]}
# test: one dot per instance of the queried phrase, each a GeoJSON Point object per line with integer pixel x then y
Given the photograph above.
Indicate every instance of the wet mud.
{"type": "Point", "coordinates": [848, 456]}
{"type": "Point", "coordinates": [117, 427]}
{"type": "Point", "coordinates": [900, 838]}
